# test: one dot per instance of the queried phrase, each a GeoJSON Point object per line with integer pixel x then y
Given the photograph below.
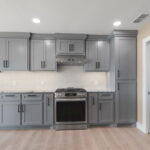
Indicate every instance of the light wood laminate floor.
{"type": "Point", "coordinates": [90, 139]}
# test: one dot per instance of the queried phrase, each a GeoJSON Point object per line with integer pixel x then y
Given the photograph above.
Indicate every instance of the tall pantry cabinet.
{"type": "Point", "coordinates": [123, 45]}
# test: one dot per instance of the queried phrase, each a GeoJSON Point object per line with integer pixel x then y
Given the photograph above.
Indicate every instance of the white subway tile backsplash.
{"type": "Point", "coordinates": [67, 76]}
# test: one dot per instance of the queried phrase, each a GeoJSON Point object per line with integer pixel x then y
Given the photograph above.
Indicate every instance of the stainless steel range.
{"type": "Point", "coordinates": [70, 108]}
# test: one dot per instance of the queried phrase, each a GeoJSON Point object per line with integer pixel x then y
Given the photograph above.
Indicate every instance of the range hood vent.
{"type": "Point", "coordinates": [141, 18]}
{"type": "Point", "coordinates": [71, 60]}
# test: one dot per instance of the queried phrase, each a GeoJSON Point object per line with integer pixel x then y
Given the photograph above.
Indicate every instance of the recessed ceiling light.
{"type": "Point", "coordinates": [36, 20]}
{"type": "Point", "coordinates": [117, 23]}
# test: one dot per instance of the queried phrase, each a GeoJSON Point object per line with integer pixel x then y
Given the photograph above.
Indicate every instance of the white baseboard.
{"type": "Point", "coordinates": [141, 128]}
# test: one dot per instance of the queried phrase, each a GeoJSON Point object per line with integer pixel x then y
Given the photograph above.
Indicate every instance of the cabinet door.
{"type": "Point", "coordinates": [92, 108]}
{"type": "Point", "coordinates": [62, 47]}
{"type": "Point", "coordinates": [3, 50]}
{"type": "Point", "coordinates": [37, 55]}
{"type": "Point", "coordinates": [91, 54]}
{"type": "Point", "coordinates": [49, 55]}
{"type": "Point", "coordinates": [126, 102]}
{"type": "Point", "coordinates": [76, 47]}
{"type": "Point", "coordinates": [48, 109]}
{"type": "Point", "coordinates": [126, 51]}
{"type": "Point", "coordinates": [10, 114]}
{"type": "Point", "coordinates": [103, 54]}
{"type": "Point", "coordinates": [105, 112]}
{"type": "Point", "coordinates": [32, 112]}
{"type": "Point", "coordinates": [17, 54]}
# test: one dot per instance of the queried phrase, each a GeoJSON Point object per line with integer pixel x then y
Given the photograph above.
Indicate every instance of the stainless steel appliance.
{"type": "Point", "coordinates": [70, 108]}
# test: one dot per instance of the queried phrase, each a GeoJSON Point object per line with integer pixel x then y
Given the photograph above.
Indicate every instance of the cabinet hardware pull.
{"type": "Point", "coordinates": [48, 101]}
{"type": "Point", "coordinates": [32, 95]}
{"type": "Point", "coordinates": [44, 64]}
{"type": "Point", "coordinates": [118, 73]}
{"type": "Point", "coordinates": [96, 65]}
{"type": "Point", "coordinates": [93, 100]}
{"type": "Point", "coordinates": [118, 86]}
{"type": "Point", "coordinates": [7, 63]}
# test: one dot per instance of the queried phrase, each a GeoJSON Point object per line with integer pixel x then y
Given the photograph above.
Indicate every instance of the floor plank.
{"type": "Point", "coordinates": [91, 139]}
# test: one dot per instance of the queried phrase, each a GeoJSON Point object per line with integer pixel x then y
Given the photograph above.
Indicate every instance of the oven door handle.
{"type": "Point", "coordinates": [70, 100]}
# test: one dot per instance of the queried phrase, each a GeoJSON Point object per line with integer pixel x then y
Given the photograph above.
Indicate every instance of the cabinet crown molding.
{"type": "Point", "coordinates": [23, 35]}
{"type": "Point", "coordinates": [36, 36]}
{"type": "Point", "coordinates": [123, 33]}
{"type": "Point", "coordinates": [97, 37]}
{"type": "Point", "coordinates": [70, 36]}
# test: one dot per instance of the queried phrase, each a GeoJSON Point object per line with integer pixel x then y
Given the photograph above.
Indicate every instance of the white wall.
{"type": "Point", "coordinates": [68, 76]}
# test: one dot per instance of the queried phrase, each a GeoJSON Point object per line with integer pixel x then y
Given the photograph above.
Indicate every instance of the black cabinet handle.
{"type": "Point", "coordinates": [7, 63]}
{"type": "Point", "coordinates": [71, 47]}
{"type": "Point", "coordinates": [42, 64]}
{"type": "Point", "coordinates": [118, 86]}
{"type": "Point", "coordinates": [98, 64]}
{"type": "Point", "coordinates": [33, 95]}
{"type": "Point", "coordinates": [93, 100]}
{"type": "Point", "coordinates": [48, 100]}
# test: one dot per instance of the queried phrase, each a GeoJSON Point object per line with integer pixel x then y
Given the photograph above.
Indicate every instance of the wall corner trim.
{"type": "Point", "coordinates": [141, 128]}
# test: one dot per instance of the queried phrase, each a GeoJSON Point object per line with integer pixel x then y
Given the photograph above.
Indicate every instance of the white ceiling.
{"type": "Point", "coordinates": [71, 16]}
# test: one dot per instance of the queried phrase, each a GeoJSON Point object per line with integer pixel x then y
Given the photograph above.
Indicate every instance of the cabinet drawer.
{"type": "Point", "coordinates": [31, 96]}
{"type": "Point", "coordinates": [10, 96]}
{"type": "Point", "coordinates": [105, 96]}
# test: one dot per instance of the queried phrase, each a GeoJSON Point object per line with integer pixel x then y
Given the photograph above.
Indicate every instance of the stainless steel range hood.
{"type": "Point", "coordinates": [71, 60]}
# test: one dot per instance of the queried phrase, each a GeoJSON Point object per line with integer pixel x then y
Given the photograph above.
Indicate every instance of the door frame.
{"type": "Point", "coordinates": [146, 107]}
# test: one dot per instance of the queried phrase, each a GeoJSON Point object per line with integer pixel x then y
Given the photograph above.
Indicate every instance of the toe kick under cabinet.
{"type": "Point", "coordinates": [100, 108]}
{"type": "Point", "coordinates": [26, 110]}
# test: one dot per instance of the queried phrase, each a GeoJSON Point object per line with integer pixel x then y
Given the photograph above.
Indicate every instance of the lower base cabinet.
{"type": "Point", "coordinates": [101, 108]}
{"type": "Point", "coordinates": [48, 109]}
{"type": "Point", "coordinates": [105, 112]}
{"type": "Point", "coordinates": [26, 110]}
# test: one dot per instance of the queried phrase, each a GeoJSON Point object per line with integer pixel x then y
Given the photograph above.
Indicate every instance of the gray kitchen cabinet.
{"type": "Point", "coordinates": [98, 55]}
{"type": "Point", "coordinates": [43, 55]}
{"type": "Point", "coordinates": [70, 47]}
{"type": "Point", "coordinates": [48, 109]}
{"type": "Point", "coordinates": [126, 101]}
{"type": "Point", "coordinates": [32, 109]}
{"type": "Point", "coordinates": [9, 110]}
{"type": "Point", "coordinates": [92, 108]}
{"type": "Point", "coordinates": [126, 58]}
{"type": "Point", "coordinates": [14, 54]}
{"type": "Point", "coordinates": [105, 112]}
{"type": "Point", "coordinates": [124, 47]}
{"type": "Point", "coordinates": [100, 108]}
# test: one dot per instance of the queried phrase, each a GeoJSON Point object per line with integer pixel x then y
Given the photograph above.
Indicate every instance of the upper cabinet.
{"type": "Point", "coordinates": [43, 53]}
{"type": "Point", "coordinates": [70, 47]}
{"type": "Point", "coordinates": [98, 55]}
{"type": "Point", "coordinates": [126, 58]}
{"type": "Point", "coordinates": [70, 44]}
{"type": "Point", "coordinates": [14, 48]}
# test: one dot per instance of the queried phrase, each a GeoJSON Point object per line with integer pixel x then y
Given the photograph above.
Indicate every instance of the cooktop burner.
{"type": "Point", "coordinates": [70, 90]}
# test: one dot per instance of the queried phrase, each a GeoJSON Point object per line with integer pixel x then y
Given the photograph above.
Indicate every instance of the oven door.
{"type": "Point", "coordinates": [70, 111]}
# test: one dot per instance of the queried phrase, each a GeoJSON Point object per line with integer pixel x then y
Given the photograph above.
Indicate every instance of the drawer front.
{"type": "Point", "coordinates": [105, 96]}
{"type": "Point", "coordinates": [31, 96]}
{"type": "Point", "coordinates": [10, 97]}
